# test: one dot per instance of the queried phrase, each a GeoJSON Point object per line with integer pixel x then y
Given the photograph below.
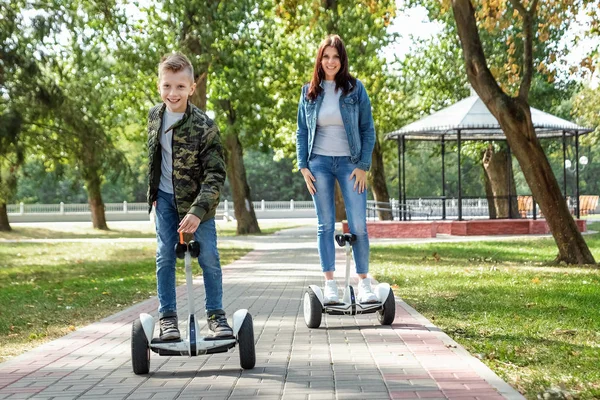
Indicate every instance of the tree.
{"type": "Point", "coordinates": [89, 147]}
{"type": "Point", "coordinates": [85, 122]}
{"type": "Point", "coordinates": [11, 158]}
{"type": "Point", "coordinates": [271, 179]}
{"type": "Point", "coordinates": [20, 87]}
{"type": "Point", "coordinates": [240, 90]}
{"type": "Point", "coordinates": [513, 112]}
{"type": "Point", "coordinates": [54, 57]}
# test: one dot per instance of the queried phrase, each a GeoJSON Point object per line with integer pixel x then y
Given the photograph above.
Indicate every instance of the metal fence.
{"type": "Point", "coordinates": [429, 208]}
{"type": "Point", "coordinates": [473, 208]}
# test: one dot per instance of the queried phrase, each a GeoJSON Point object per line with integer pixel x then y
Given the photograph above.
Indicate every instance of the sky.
{"type": "Point", "coordinates": [413, 22]}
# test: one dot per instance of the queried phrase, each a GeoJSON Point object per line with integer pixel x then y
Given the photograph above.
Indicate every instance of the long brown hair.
{"type": "Point", "coordinates": [343, 79]}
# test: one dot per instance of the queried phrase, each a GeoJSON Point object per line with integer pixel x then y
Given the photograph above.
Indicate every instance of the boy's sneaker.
{"type": "Point", "coordinates": [331, 292]}
{"type": "Point", "coordinates": [169, 329]}
{"type": "Point", "coordinates": [217, 323]}
{"type": "Point", "coordinates": [365, 293]}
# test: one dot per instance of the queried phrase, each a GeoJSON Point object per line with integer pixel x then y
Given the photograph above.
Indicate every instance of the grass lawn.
{"type": "Point", "coordinates": [537, 325]}
{"type": "Point", "coordinates": [119, 229]}
{"type": "Point", "coordinates": [50, 289]}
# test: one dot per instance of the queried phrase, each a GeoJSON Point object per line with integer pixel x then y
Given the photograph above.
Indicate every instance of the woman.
{"type": "Point", "coordinates": [334, 141]}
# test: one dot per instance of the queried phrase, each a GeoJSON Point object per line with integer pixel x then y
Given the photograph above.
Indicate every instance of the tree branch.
{"type": "Point", "coordinates": [228, 106]}
{"type": "Point", "coordinates": [478, 72]}
{"type": "Point", "coordinates": [519, 7]}
{"type": "Point", "coordinates": [105, 9]}
{"type": "Point", "coordinates": [527, 58]}
{"type": "Point", "coordinates": [50, 128]}
{"type": "Point", "coordinates": [527, 47]}
{"type": "Point", "coordinates": [533, 7]}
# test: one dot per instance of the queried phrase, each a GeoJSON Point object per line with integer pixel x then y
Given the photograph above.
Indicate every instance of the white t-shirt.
{"type": "Point", "coordinates": [166, 144]}
{"type": "Point", "coordinates": [331, 138]}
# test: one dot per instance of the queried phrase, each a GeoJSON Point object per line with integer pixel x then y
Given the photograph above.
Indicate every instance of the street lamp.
{"type": "Point", "coordinates": [583, 161]}
{"type": "Point", "coordinates": [574, 169]}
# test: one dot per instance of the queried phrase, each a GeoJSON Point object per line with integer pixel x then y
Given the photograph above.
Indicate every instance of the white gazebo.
{"type": "Point", "coordinates": [470, 119]}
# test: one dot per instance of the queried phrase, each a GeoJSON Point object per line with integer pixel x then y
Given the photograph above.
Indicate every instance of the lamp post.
{"type": "Point", "coordinates": [583, 161]}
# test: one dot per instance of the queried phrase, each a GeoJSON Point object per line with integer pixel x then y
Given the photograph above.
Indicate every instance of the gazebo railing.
{"type": "Point", "coordinates": [399, 212]}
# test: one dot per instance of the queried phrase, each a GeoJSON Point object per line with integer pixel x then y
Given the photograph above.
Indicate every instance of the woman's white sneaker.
{"type": "Point", "coordinates": [365, 292]}
{"type": "Point", "coordinates": [331, 292]}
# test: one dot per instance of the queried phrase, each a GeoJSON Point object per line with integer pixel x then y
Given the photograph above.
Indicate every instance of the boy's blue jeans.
{"type": "Point", "coordinates": [326, 169]}
{"type": "Point", "coordinates": [167, 222]}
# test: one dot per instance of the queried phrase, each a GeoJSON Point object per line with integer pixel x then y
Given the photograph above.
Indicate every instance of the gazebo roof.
{"type": "Point", "coordinates": [476, 122]}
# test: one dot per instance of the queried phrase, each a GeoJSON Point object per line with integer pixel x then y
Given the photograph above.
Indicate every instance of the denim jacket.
{"type": "Point", "coordinates": [355, 108]}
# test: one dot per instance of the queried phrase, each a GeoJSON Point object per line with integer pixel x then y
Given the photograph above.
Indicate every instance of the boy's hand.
{"type": "Point", "coordinates": [189, 224]}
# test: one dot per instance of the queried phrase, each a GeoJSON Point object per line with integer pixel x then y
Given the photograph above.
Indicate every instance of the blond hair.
{"type": "Point", "coordinates": [175, 62]}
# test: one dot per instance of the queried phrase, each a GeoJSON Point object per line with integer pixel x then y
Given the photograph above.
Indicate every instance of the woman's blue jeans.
{"type": "Point", "coordinates": [167, 222]}
{"type": "Point", "coordinates": [326, 170]}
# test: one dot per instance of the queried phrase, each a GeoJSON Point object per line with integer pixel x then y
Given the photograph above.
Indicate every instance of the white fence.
{"type": "Point", "coordinates": [62, 208]}
{"type": "Point", "coordinates": [415, 209]}
{"type": "Point", "coordinates": [139, 211]}
{"type": "Point", "coordinates": [431, 208]}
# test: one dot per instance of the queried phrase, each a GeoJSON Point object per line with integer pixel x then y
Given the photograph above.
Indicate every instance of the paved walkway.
{"type": "Point", "coordinates": [347, 358]}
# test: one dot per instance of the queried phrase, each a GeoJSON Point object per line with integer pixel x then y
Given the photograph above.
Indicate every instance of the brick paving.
{"type": "Point", "coordinates": [346, 358]}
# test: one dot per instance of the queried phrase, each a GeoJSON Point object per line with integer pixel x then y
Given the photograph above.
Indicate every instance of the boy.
{"type": "Point", "coordinates": [186, 172]}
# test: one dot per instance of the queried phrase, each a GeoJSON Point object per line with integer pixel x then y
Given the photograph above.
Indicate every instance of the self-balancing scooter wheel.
{"type": "Point", "coordinates": [246, 343]}
{"type": "Point", "coordinates": [140, 351]}
{"type": "Point", "coordinates": [313, 311]}
{"type": "Point", "coordinates": [388, 312]}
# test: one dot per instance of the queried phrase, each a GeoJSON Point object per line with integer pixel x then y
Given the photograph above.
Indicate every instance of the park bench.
{"type": "Point", "coordinates": [588, 204]}
{"type": "Point", "coordinates": [525, 204]}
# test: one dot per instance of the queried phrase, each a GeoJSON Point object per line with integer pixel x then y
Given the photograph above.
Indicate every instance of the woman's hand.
{"type": "Point", "coordinates": [309, 179]}
{"type": "Point", "coordinates": [361, 179]}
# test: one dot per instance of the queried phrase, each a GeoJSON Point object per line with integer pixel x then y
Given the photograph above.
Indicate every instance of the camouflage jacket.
{"type": "Point", "coordinates": [198, 163]}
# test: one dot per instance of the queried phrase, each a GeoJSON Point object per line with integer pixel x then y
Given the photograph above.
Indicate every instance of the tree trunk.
{"type": "Point", "coordinates": [93, 185]}
{"type": "Point", "coordinates": [199, 96]}
{"type": "Point", "coordinates": [4, 224]}
{"type": "Point", "coordinates": [242, 201]}
{"type": "Point", "coordinates": [340, 207]}
{"type": "Point", "coordinates": [8, 187]}
{"type": "Point", "coordinates": [489, 194]}
{"type": "Point", "coordinates": [4, 196]}
{"type": "Point", "coordinates": [378, 185]}
{"type": "Point", "coordinates": [498, 173]}
{"type": "Point", "coordinates": [514, 117]}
